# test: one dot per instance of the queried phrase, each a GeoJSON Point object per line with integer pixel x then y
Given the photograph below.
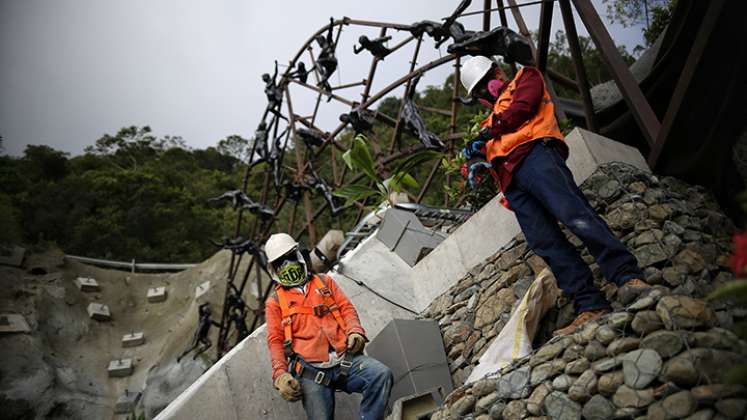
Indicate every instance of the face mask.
{"type": "Point", "coordinates": [495, 86]}
{"type": "Point", "coordinates": [291, 274]}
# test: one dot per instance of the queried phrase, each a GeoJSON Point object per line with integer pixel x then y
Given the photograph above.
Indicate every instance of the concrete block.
{"type": "Point", "coordinates": [404, 234]}
{"type": "Point", "coordinates": [12, 255]}
{"type": "Point", "coordinates": [133, 339]}
{"type": "Point", "coordinates": [87, 284]}
{"type": "Point", "coordinates": [13, 323]}
{"type": "Point", "coordinates": [126, 402]}
{"type": "Point", "coordinates": [156, 294]}
{"type": "Point", "coordinates": [120, 368]}
{"type": "Point", "coordinates": [99, 312]}
{"type": "Point", "coordinates": [203, 292]}
{"type": "Point", "coordinates": [493, 226]}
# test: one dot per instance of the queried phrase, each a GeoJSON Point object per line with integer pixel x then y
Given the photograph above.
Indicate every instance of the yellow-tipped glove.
{"type": "Point", "coordinates": [356, 342]}
{"type": "Point", "coordinates": [288, 387]}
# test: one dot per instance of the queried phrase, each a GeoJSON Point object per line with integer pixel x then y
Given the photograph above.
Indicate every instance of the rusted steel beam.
{"type": "Point", "coordinates": [372, 71]}
{"type": "Point", "coordinates": [578, 63]}
{"type": "Point", "coordinates": [504, 23]}
{"type": "Point", "coordinates": [398, 125]}
{"type": "Point", "coordinates": [349, 85]}
{"type": "Point", "coordinates": [686, 76]}
{"type": "Point", "coordinates": [401, 44]}
{"type": "Point", "coordinates": [501, 8]}
{"type": "Point", "coordinates": [561, 79]}
{"type": "Point", "coordinates": [427, 183]}
{"type": "Point", "coordinates": [319, 90]}
{"type": "Point", "coordinates": [299, 163]}
{"type": "Point", "coordinates": [486, 15]}
{"type": "Point", "coordinates": [559, 113]}
{"type": "Point", "coordinates": [440, 111]}
{"type": "Point", "coordinates": [544, 34]}
{"type": "Point", "coordinates": [397, 26]}
{"type": "Point", "coordinates": [639, 106]}
{"type": "Point", "coordinates": [452, 123]}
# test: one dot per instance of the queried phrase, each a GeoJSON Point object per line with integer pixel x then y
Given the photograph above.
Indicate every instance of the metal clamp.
{"type": "Point", "coordinates": [346, 364]}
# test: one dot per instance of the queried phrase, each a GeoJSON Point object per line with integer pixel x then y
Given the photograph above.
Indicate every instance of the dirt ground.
{"type": "Point", "coordinates": [59, 370]}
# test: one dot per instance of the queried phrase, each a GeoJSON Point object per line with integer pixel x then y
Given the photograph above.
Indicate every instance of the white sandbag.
{"type": "Point", "coordinates": [515, 339]}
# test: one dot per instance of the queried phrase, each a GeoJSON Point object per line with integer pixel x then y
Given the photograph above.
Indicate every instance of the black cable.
{"type": "Point", "coordinates": [362, 284]}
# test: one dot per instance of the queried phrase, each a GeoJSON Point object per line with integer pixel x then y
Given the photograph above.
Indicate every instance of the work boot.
{"type": "Point", "coordinates": [629, 291]}
{"type": "Point", "coordinates": [580, 320]}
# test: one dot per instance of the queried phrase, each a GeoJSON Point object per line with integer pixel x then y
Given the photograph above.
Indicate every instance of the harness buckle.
{"type": "Point", "coordinates": [324, 291]}
{"type": "Point", "coordinates": [319, 378]}
{"type": "Point", "coordinates": [321, 310]}
{"type": "Point", "coordinates": [347, 364]}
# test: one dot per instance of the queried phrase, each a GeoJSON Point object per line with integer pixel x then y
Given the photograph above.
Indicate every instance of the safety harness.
{"type": "Point", "coordinates": [295, 365]}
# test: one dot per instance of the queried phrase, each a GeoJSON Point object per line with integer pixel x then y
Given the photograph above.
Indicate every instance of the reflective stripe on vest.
{"type": "Point", "coordinates": [542, 124]}
{"type": "Point", "coordinates": [287, 312]}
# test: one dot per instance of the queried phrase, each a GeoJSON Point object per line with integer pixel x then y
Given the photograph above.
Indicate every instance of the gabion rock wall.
{"type": "Point", "coordinates": [663, 355]}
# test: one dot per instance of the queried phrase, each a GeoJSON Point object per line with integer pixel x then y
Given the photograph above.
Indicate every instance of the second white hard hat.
{"type": "Point", "coordinates": [278, 245]}
{"type": "Point", "coordinates": [473, 70]}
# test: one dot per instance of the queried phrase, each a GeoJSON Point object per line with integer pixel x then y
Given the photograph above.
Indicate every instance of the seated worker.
{"type": "Point", "coordinates": [316, 339]}
{"type": "Point", "coordinates": [526, 152]}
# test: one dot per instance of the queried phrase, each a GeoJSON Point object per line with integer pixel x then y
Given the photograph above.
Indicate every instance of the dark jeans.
{"type": "Point", "coordinates": [542, 193]}
{"type": "Point", "coordinates": [367, 376]}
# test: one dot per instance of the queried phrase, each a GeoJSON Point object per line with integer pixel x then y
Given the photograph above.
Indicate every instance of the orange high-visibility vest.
{"type": "Point", "coordinates": [541, 125]}
{"type": "Point", "coordinates": [329, 306]}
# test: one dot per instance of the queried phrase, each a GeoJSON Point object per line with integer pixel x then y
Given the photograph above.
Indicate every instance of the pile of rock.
{"type": "Point", "coordinates": [663, 356]}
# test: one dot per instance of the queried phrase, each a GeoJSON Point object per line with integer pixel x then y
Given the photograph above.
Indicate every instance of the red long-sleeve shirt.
{"type": "Point", "coordinates": [526, 101]}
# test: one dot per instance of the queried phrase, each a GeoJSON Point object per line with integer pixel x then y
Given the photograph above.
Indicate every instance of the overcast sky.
{"type": "Point", "coordinates": [73, 70]}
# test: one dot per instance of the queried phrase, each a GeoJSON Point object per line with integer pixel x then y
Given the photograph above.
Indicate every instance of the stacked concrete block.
{"type": "Point", "coordinates": [99, 312]}
{"type": "Point", "coordinates": [13, 323]}
{"type": "Point", "coordinates": [87, 284]}
{"type": "Point", "coordinates": [133, 339]}
{"type": "Point", "coordinates": [120, 368]}
{"type": "Point", "coordinates": [126, 402]}
{"type": "Point", "coordinates": [156, 294]}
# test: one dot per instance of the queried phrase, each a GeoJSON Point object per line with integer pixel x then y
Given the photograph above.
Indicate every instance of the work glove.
{"type": "Point", "coordinates": [356, 342]}
{"type": "Point", "coordinates": [474, 172]}
{"type": "Point", "coordinates": [288, 386]}
{"type": "Point", "coordinates": [476, 147]}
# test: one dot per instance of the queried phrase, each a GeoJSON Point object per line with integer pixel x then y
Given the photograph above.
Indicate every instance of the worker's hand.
{"type": "Point", "coordinates": [356, 342]}
{"type": "Point", "coordinates": [288, 386]}
{"type": "Point", "coordinates": [474, 173]}
{"type": "Point", "coordinates": [476, 147]}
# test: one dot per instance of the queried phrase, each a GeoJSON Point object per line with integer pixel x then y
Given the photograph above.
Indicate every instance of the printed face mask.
{"type": "Point", "coordinates": [495, 86]}
{"type": "Point", "coordinates": [291, 274]}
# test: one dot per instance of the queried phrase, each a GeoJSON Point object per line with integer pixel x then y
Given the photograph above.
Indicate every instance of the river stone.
{"type": "Point", "coordinates": [609, 382]}
{"type": "Point", "coordinates": [707, 394]}
{"type": "Point", "coordinates": [605, 334]}
{"type": "Point", "coordinates": [549, 351]}
{"type": "Point", "coordinates": [605, 365]}
{"type": "Point", "coordinates": [650, 254]}
{"type": "Point", "coordinates": [496, 304]}
{"type": "Point", "coordinates": [717, 338]}
{"type": "Point", "coordinates": [573, 352]}
{"type": "Point", "coordinates": [641, 367]}
{"type": "Point", "coordinates": [619, 320]}
{"type": "Point", "coordinates": [732, 407]}
{"type": "Point", "coordinates": [628, 397]}
{"type": "Point", "coordinates": [514, 385]}
{"type": "Point", "coordinates": [687, 368]}
{"type": "Point", "coordinates": [577, 367]}
{"type": "Point", "coordinates": [562, 382]}
{"type": "Point", "coordinates": [464, 405]}
{"type": "Point", "coordinates": [496, 411]}
{"type": "Point", "coordinates": [595, 350]}
{"type": "Point", "coordinates": [559, 406]}
{"type": "Point", "coordinates": [547, 370]}
{"type": "Point", "coordinates": [598, 408]}
{"type": "Point", "coordinates": [484, 403]}
{"type": "Point", "coordinates": [706, 414]}
{"type": "Point", "coordinates": [516, 409]}
{"type": "Point", "coordinates": [675, 406]}
{"type": "Point", "coordinates": [645, 322]}
{"type": "Point", "coordinates": [684, 312]}
{"type": "Point", "coordinates": [622, 344]}
{"type": "Point", "coordinates": [690, 259]}
{"type": "Point", "coordinates": [666, 343]}
{"type": "Point", "coordinates": [534, 402]}
{"type": "Point", "coordinates": [583, 387]}
{"type": "Point", "coordinates": [483, 387]}
{"type": "Point", "coordinates": [642, 303]}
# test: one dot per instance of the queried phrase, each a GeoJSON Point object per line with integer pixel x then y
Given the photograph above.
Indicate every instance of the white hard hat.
{"type": "Point", "coordinates": [473, 70]}
{"type": "Point", "coordinates": [278, 245]}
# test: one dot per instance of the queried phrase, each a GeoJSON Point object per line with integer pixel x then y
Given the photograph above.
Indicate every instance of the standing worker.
{"type": "Point", "coordinates": [521, 142]}
{"type": "Point", "coordinates": [316, 339]}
